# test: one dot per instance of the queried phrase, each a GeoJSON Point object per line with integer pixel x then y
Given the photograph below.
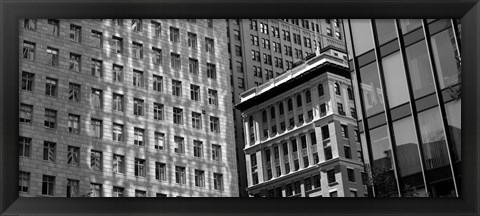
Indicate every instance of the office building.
{"type": "Point", "coordinates": [301, 132]}
{"type": "Point", "coordinates": [406, 78]}
{"type": "Point", "coordinates": [125, 107]}
{"type": "Point", "coordinates": [262, 49]}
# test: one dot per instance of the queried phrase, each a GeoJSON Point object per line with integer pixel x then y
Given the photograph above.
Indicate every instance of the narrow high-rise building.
{"type": "Point", "coordinates": [407, 84]}
{"type": "Point", "coordinates": [125, 107]}
{"type": "Point", "coordinates": [262, 49]}
{"type": "Point", "coordinates": [301, 132]}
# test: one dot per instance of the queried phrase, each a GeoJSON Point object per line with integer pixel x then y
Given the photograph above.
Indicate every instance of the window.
{"type": "Point", "coordinates": [97, 39]}
{"type": "Point", "coordinates": [236, 34]}
{"type": "Point", "coordinates": [310, 115]}
{"type": "Point", "coordinates": [192, 40]}
{"type": "Point", "coordinates": [277, 47]}
{"type": "Point", "coordinates": [289, 189]}
{"type": "Point", "coordinates": [51, 87]}
{"type": "Point", "coordinates": [337, 89]}
{"type": "Point", "coordinates": [117, 44]}
{"type": "Point", "coordinates": [118, 164]}
{"type": "Point", "coordinates": [174, 34]}
{"type": "Point", "coordinates": [73, 123]}
{"type": "Point", "coordinates": [96, 160]}
{"type": "Point", "coordinates": [308, 96]}
{"type": "Point", "coordinates": [371, 88]}
{"type": "Point", "coordinates": [296, 39]}
{"type": "Point", "coordinates": [209, 45]}
{"type": "Point", "coordinates": [177, 115]}
{"type": "Point", "coordinates": [25, 146]}
{"type": "Point", "coordinates": [138, 136]}
{"type": "Point", "coordinates": [264, 28]}
{"type": "Point", "coordinates": [156, 29]}
{"type": "Point", "coordinates": [212, 97]}
{"type": "Point", "coordinates": [255, 56]}
{"type": "Point", "coordinates": [157, 56]}
{"type": "Point", "coordinates": [334, 194]}
{"type": "Point", "coordinates": [117, 132]}
{"type": "Point", "coordinates": [28, 50]}
{"type": "Point", "coordinates": [157, 111]}
{"type": "Point", "coordinates": [216, 152]}
{"type": "Point", "coordinates": [160, 171]}
{"type": "Point", "coordinates": [137, 49]}
{"type": "Point", "coordinates": [288, 50]}
{"type": "Point", "coordinates": [53, 57]}
{"type": "Point", "coordinates": [138, 78]}
{"type": "Point", "coordinates": [196, 120]}
{"type": "Point", "coordinates": [340, 109]}
{"type": "Point", "coordinates": [72, 188]}
{"type": "Point", "coordinates": [331, 176]}
{"type": "Point", "coordinates": [265, 43]}
{"type": "Point", "coordinates": [291, 122]}
{"type": "Point", "coordinates": [179, 145]}
{"type": "Point", "coordinates": [238, 50]}
{"type": "Point", "coordinates": [50, 118]}
{"type": "Point", "coordinates": [241, 83]}
{"type": "Point", "coordinates": [329, 32]}
{"type": "Point", "coordinates": [254, 40]}
{"type": "Point", "coordinates": [217, 181]}
{"type": "Point", "coordinates": [197, 149]}
{"type": "Point", "coordinates": [323, 110]}
{"type": "Point", "coordinates": [137, 25]}
{"type": "Point", "coordinates": [344, 131]}
{"type": "Point", "coordinates": [118, 191]}
{"type": "Point", "coordinates": [49, 151]}
{"type": "Point", "coordinates": [27, 81]}
{"type": "Point", "coordinates": [211, 71]}
{"type": "Point", "coordinates": [95, 190]}
{"type": "Point", "coordinates": [253, 25]}
{"type": "Point", "coordinates": [138, 106]}
{"type": "Point", "coordinates": [267, 59]}
{"type": "Point", "coordinates": [348, 152]}
{"type": "Point", "coordinates": [316, 181]}
{"type": "Point", "coordinates": [96, 68]}
{"type": "Point", "coordinates": [75, 62]}
{"type": "Point", "coordinates": [199, 178]}
{"type": "Point", "coordinates": [139, 167]}
{"type": "Point", "coordinates": [351, 175]}
{"type": "Point", "coordinates": [297, 187]}
{"type": "Point", "coordinates": [175, 61]}
{"type": "Point", "coordinates": [117, 102]}
{"type": "Point", "coordinates": [96, 98]}
{"type": "Point", "coordinates": [159, 141]}
{"type": "Point", "coordinates": [176, 88]}
{"type": "Point", "coordinates": [194, 92]}
{"type": "Point", "coordinates": [73, 156]}
{"type": "Point", "coordinates": [117, 73]}
{"type": "Point", "coordinates": [193, 65]}
{"type": "Point", "coordinates": [325, 133]}
{"type": "Point", "coordinates": [26, 112]}
{"type": "Point", "coordinates": [299, 100]}
{"type": "Point", "coordinates": [210, 23]}
{"type": "Point", "coordinates": [350, 94]}
{"type": "Point", "coordinates": [275, 32]}
{"type": "Point", "coordinates": [214, 124]}
{"type": "Point", "coordinates": [75, 33]}
{"type": "Point", "coordinates": [180, 177]}
{"type": "Point", "coordinates": [48, 184]}
{"type": "Point", "coordinates": [30, 24]}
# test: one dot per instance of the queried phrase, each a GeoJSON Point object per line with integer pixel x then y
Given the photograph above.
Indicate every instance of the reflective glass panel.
{"type": "Point", "coordinates": [445, 55]}
{"type": "Point", "coordinates": [453, 110]}
{"type": "Point", "coordinates": [372, 92]}
{"type": "Point", "coordinates": [395, 81]}
{"type": "Point", "coordinates": [407, 154]}
{"type": "Point", "coordinates": [385, 30]}
{"type": "Point", "coordinates": [419, 69]}
{"type": "Point", "coordinates": [408, 25]}
{"type": "Point", "coordinates": [362, 35]}
{"type": "Point", "coordinates": [383, 175]}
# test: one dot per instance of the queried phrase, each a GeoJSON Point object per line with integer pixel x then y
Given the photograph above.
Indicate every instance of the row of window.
{"type": "Point", "coordinates": [75, 61]}
{"type": "Point", "coordinates": [74, 94]}
{"type": "Point", "coordinates": [294, 188]}
{"type": "Point", "coordinates": [96, 190]}
{"type": "Point", "coordinates": [96, 157]}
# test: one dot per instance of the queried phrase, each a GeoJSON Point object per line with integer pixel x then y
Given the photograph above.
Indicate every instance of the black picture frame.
{"type": "Point", "coordinates": [11, 11]}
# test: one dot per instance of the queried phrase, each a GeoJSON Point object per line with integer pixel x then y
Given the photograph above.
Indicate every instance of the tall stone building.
{"type": "Point", "coordinates": [301, 132]}
{"type": "Point", "coordinates": [261, 49]}
{"type": "Point", "coordinates": [133, 107]}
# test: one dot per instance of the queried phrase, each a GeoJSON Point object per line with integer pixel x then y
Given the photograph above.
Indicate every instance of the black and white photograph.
{"type": "Point", "coordinates": [244, 108]}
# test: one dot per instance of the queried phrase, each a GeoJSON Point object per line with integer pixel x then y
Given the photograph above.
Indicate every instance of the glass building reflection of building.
{"type": "Point", "coordinates": [406, 77]}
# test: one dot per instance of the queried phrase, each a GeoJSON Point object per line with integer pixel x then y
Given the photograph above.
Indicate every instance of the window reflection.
{"type": "Point", "coordinates": [383, 174]}
{"type": "Point", "coordinates": [362, 35]}
{"type": "Point", "coordinates": [454, 115]}
{"type": "Point", "coordinates": [371, 90]}
{"type": "Point", "coordinates": [408, 25]}
{"type": "Point", "coordinates": [444, 53]}
{"type": "Point", "coordinates": [407, 155]}
{"type": "Point", "coordinates": [395, 81]}
{"type": "Point", "coordinates": [385, 30]}
{"type": "Point", "coordinates": [419, 69]}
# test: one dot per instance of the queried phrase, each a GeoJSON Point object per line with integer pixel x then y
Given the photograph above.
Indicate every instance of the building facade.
{"type": "Point", "coordinates": [262, 49]}
{"type": "Point", "coordinates": [125, 107]}
{"type": "Point", "coordinates": [301, 132]}
{"type": "Point", "coordinates": [406, 77]}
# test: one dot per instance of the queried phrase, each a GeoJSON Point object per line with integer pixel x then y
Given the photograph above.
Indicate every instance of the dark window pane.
{"type": "Point", "coordinates": [385, 30]}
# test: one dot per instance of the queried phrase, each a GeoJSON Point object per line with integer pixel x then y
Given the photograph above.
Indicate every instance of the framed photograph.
{"type": "Point", "coordinates": [239, 108]}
